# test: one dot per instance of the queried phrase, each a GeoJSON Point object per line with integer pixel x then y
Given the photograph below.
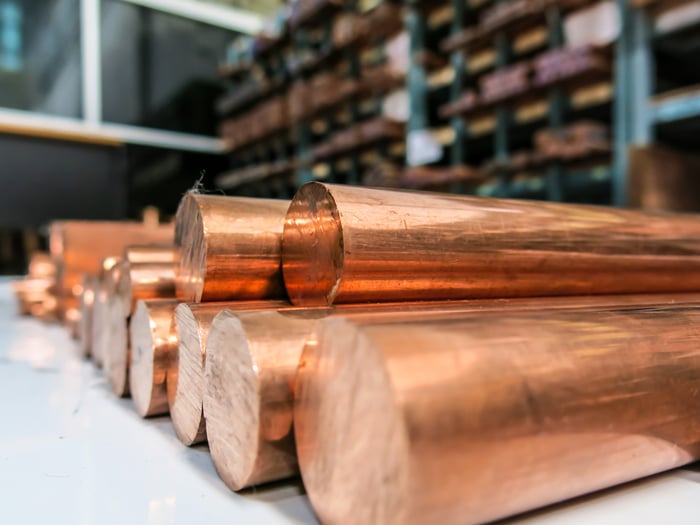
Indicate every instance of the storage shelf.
{"type": "Point", "coordinates": [678, 105]}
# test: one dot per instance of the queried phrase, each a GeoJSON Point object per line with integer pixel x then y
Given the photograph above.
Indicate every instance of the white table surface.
{"type": "Point", "coordinates": [71, 453]}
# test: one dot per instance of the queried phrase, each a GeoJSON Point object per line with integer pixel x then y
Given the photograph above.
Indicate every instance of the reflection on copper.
{"type": "Point", "coordinates": [150, 254]}
{"type": "Point", "coordinates": [252, 359]}
{"type": "Point", "coordinates": [41, 266]}
{"type": "Point", "coordinates": [229, 248]}
{"type": "Point", "coordinates": [101, 326]}
{"type": "Point", "coordinates": [185, 382]}
{"type": "Point", "coordinates": [87, 304]}
{"type": "Point", "coordinates": [344, 244]}
{"type": "Point", "coordinates": [135, 281]}
{"type": "Point", "coordinates": [79, 247]}
{"type": "Point", "coordinates": [152, 342]}
{"type": "Point", "coordinates": [36, 292]}
{"type": "Point", "coordinates": [472, 420]}
{"type": "Point", "coordinates": [35, 297]}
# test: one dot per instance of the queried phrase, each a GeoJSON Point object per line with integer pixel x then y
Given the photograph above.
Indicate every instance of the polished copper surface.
{"type": "Point", "coordinates": [79, 247]}
{"type": "Point", "coordinates": [87, 304]}
{"type": "Point", "coordinates": [185, 381]}
{"type": "Point", "coordinates": [41, 265]}
{"type": "Point", "coordinates": [36, 292]}
{"type": "Point", "coordinates": [83, 245]}
{"type": "Point", "coordinates": [150, 254]}
{"type": "Point", "coordinates": [135, 282]}
{"type": "Point", "coordinates": [252, 359]}
{"type": "Point", "coordinates": [35, 297]}
{"type": "Point", "coordinates": [152, 341]}
{"type": "Point", "coordinates": [472, 420]}
{"type": "Point", "coordinates": [229, 248]}
{"type": "Point", "coordinates": [344, 244]}
{"type": "Point", "coordinates": [101, 327]}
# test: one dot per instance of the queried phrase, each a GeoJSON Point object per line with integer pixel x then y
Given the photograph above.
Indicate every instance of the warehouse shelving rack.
{"type": "Point", "coordinates": [300, 54]}
{"type": "Point", "coordinates": [553, 185]}
{"type": "Point", "coordinates": [440, 74]}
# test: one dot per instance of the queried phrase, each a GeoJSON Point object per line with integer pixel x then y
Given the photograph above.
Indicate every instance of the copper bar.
{"type": "Point", "coordinates": [472, 420]}
{"type": "Point", "coordinates": [79, 247]}
{"type": "Point", "coordinates": [41, 266]}
{"type": "Point", "coordinates": [229, 248]}
{"type": "Point", "coordinates": [136, 281]}
{"type": "Point", "coordinates": [152, 341]}
{"type": "Point", "coordinates": [101, 310]}
{"type": "Point", "coordinates": [87, 305]}
{"type": "Point", "coordinates": [151, 274]}
{"type": "Point", "coordinates": [34, 296]}
{"type": "Point", "coordinates": [185, 382]}
{"type": "Point", "coordinates": [252, 359]}
{"type": "Point", "coordinates": [35, 293]}
{"type": "Point", "coordinates": [150, 253]}
{"type": "Point", "coordinates": [344, 244]}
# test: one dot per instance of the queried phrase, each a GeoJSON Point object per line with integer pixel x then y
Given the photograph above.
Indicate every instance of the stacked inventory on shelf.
{"type": "Point", "coordinates": [530, 97]}
{"type": "Point", "coordinates": [509, 99]}
{"type": "Point", "coordinates": [318, 100]}
{"type": "Point", "coordinates": [663, 119]}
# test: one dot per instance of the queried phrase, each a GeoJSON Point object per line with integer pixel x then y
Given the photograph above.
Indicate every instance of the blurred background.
{"type": "Point", "coordinates": [110, 106]}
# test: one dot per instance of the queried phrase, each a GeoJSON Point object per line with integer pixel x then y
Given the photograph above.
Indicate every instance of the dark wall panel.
{"type": "Point", "coordinates": [42, 180]}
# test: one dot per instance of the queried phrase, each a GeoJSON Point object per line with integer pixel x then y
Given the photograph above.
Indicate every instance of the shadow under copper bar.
{"type": "Point", "coordinates": [345, 244]}
{"type": "Point", "coordinates": [229, 248]}
{"type": "Point", "coordinates": [252, 359]}
{"type": "Point", "coordinates": [472, 420]}
{"type": "Point", "coordinates": [185, 378]}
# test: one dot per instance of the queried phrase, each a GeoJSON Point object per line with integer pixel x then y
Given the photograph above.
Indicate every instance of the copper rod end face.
{"type": "Point", "coordinates": [252, 357]}
{"type": "Point", "coordinates": [185, 382]}
{"type": "Point", "coordinates": [312, 247]}
{"type": "Point", "coordinates": [152, 343]}
{"type": "Point", "coordinates": [351, 441]}
{"type": "Point", "coordinates": [190, 242]}
{"type": "Point", "coordinates": [228, 248]}
{"type": "Point", "coordinates": [231, 400]}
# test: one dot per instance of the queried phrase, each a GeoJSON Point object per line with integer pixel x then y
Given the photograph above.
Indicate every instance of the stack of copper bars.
{"type": "Point", "coordinates": [418, 358]}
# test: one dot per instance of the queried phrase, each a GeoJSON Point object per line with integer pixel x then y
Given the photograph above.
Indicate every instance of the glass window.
{"type": "Point", "coordinates": [159, 70]}
{"type": "Point", "coordinates": [40, 62]}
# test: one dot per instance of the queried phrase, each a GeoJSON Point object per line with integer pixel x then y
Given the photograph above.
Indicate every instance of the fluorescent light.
{"type": "Point", "coordinates": [227, 17]}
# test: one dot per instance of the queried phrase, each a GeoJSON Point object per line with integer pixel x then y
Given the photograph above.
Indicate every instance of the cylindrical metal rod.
{"type": "Point", "coordinates": [229, 248]}
{"type": "Point", "coordinates": [150, 254]}
{"type": "Point", "coordinates": [185, 381]}
{"type": "Point", "coordinates": [345, 244]}
{"type": "Point", "coordinates": [252, 359]}
{"type": "Point", "coordinates": [36, 292]}
{"type": "Point", "coordinates": [472, 420]}
{"type": "Point", "coordinates": [137, 281]}
{"type": "Point", "coordinates": [79, 247]}
{"type": "Point", "coordinates": [41, 266]}
{"type": "Point", "coordinates": [87, 307]}
{"type": "Point", "coordinates": [35, 296]}
{"type": "Point", "coordinates": [152, 341]}
{"type": "Point", "coordinates": [100, 313]}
